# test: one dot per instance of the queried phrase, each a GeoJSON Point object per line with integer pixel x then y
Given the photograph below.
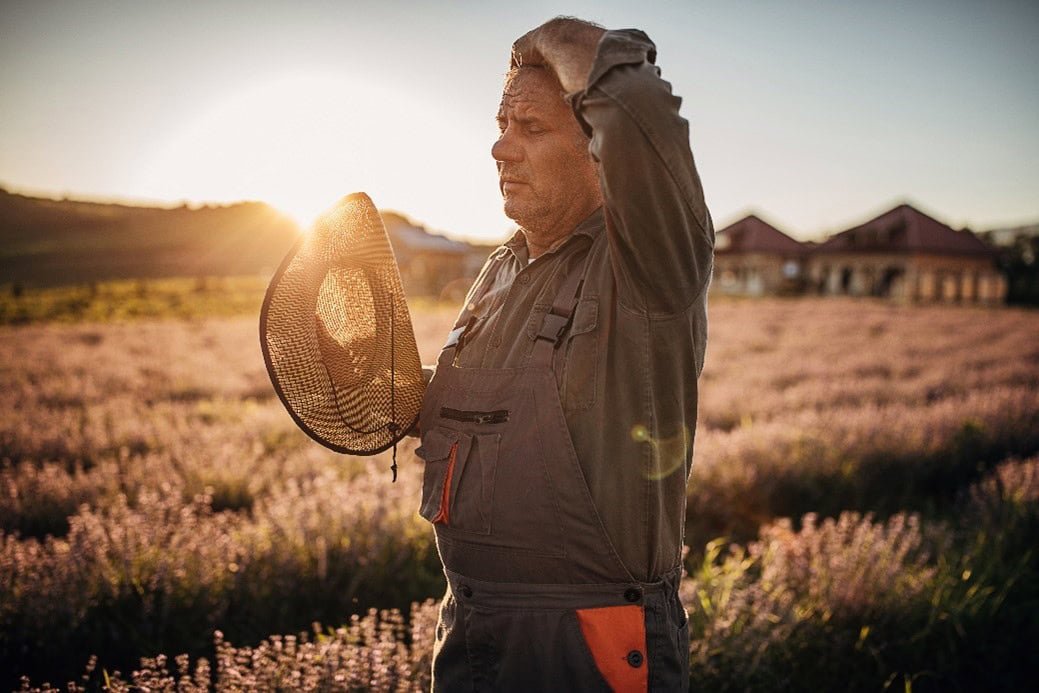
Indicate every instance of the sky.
{"type": "Point", "coordinates": [814, 115]}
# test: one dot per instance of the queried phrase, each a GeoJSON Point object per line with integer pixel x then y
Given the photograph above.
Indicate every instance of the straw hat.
{"type": "Point", "coordinates": [337, 337]}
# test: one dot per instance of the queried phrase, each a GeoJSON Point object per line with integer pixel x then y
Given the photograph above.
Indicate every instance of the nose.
{"type": "Point", "coordinates": [506, 149]}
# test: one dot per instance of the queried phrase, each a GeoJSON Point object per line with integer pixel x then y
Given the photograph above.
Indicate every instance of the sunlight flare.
{"type": "Point", "coordinates": [302, 140]}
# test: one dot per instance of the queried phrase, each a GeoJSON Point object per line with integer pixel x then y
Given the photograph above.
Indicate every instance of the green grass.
{"type": "Point", "coordinates": [119, 301]}
{"type": "Point", "coordinates": [135, 299]}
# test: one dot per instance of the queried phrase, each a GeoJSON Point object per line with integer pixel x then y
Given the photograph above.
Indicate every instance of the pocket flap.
{"type": "Point", "coordinates": [436, 444]}
{"type": "Point", "coordinates": [586, 316]}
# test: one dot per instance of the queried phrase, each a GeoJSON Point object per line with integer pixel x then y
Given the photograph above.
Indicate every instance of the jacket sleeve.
{"type": "Point", "coordinates": [660, 231]}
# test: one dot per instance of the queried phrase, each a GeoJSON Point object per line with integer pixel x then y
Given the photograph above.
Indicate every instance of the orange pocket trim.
{"type": "Point", "coordinates": [614, 634]}
{"type": "Point", "coordinates": [443, 515]}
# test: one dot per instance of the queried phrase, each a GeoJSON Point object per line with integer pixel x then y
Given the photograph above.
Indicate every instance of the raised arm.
{"type": "Point", "coordinates": [661, 234]}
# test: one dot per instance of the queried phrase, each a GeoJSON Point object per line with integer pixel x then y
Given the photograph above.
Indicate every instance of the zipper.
{"type": "Point", "coordinates": [479, 417]}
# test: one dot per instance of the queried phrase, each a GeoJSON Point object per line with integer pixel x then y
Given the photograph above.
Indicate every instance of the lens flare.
{"type": "Point", "coordinates": [669, 454]}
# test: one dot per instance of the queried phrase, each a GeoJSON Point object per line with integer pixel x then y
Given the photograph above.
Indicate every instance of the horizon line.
{"type": "Point", "coordinates": [743, 212]}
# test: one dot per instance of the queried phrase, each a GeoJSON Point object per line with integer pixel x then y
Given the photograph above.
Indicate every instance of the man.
{"type": "Point", "coordinates": [557, 430]}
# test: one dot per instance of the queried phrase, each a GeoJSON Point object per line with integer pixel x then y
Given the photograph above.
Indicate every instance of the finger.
{"type": "Point", "coordinates": [523, 50]}
{"type": "Point", "coordinates": [516, 58]}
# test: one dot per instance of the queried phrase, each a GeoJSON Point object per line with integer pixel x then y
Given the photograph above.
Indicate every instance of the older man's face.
{"type": "Point", "coordinates": [548, 181]}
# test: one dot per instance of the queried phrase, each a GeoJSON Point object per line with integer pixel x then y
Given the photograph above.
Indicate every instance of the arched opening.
{"type": "Point", "coordinates": [891, 282]}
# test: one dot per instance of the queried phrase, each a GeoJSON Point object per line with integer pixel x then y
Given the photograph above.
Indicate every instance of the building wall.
{"type": "Point", "coordinates": [755, 274]}
{"type": "Point", "coordinates": [915, 278]}
{"type": "Point", "coordinates": [428, 274]}
{"type": "Point", "coordinates": [443, 275]}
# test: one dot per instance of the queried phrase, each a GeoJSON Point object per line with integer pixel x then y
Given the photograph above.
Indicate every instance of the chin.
{"type": "Point", "coordinates": [514, 211]}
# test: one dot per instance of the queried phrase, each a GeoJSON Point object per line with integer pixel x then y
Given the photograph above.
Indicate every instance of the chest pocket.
{"type": "Point", "coordinates": [458, 481]}
{"type": "Point", "coordinates": [581, 369]}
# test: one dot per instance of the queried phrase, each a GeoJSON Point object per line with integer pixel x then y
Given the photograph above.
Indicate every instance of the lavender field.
{"type": "Point", "coordinates": [863, 510]}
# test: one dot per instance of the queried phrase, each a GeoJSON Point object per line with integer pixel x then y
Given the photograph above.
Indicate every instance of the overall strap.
{"type": "Point", "coordinates": [557, 320]}
{"type": "Point", "coordinates": [554, 325]}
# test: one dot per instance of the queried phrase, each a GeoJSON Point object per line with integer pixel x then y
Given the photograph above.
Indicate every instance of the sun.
{"type": "Point", "coordinates": [299, 142]}
{"type": "Point", "coordinates": [302, 140]}
{"type": "Point", "coordinates": [305, 206]}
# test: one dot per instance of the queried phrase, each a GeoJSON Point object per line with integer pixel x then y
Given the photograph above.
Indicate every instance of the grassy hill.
{"type": "Point", "coordinates": [69, 260]}
{"type": "Point", "coordinates": [61, 242]}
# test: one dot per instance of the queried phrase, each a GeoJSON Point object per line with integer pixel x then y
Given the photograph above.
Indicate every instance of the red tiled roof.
{"type": "Point", "coordinates": [905, 229]}
{"type": "Point", "coordinates": [752, 235]}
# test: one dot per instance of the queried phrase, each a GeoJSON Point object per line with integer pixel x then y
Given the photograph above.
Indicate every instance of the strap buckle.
{"type": "Point", "coordinates": [454, 337]}
{"type": "Point", "coordinates": [554, 327]}
{"type": "Point", "coordinates": [457, 336]}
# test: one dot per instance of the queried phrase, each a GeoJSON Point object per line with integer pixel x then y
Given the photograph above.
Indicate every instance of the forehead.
{"type": "Point", "coordinates": [534, 91]}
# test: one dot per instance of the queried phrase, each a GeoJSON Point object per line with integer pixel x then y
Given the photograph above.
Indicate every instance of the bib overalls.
{"type": "Point", "coordinates": [537, 597]}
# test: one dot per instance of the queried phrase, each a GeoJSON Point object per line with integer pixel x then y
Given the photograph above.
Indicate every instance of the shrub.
{"type": "Point", "coordinates": [800, 610]}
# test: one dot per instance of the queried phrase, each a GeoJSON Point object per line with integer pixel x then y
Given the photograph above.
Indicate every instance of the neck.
{"type": "Point", "coordinates": [540, 239]}
{"type": "Point", "coordinates": [538, 245]}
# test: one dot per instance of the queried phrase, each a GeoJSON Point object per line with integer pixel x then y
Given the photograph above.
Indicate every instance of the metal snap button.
{"type": "Point", "coordinates": [635, 658]}
{"type": "Point", "coordinates": [633, 594]}
{"type": "Point", "coordinates": [524, 279]}
{"type": "Point", "coordinates": [466, 590]}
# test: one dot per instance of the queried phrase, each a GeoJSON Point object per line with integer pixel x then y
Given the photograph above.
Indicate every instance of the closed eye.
{"type": "Point", "coordinates": [531, 126]}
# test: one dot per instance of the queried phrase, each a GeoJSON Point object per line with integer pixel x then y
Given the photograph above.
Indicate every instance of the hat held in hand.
{"type": "Point", "coordinates": [337, 337]}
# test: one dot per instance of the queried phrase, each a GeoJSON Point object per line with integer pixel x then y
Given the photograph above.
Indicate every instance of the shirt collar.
{"type": "Point", "coordinates": [591, 227]}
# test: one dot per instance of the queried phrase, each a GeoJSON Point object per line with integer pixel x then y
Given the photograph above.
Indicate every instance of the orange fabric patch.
{"type": "Point", "coordinates": [443, 515]}
{"type": "Point", "coordinates": [612, 633]}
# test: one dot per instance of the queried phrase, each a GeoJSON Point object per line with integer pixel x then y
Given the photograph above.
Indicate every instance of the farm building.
{"type": "Point", "coordinates": [906, 255]}
{"type": "Point", "coordinates": [902, 255]}
{"type": "Point", "coordinates": [754, 258]}
{"type": "Point", "coordinates": [432, 265]}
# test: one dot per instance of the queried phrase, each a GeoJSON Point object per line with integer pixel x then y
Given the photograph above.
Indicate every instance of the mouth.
{"type": "Point", "coordinates": [511, 183]}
